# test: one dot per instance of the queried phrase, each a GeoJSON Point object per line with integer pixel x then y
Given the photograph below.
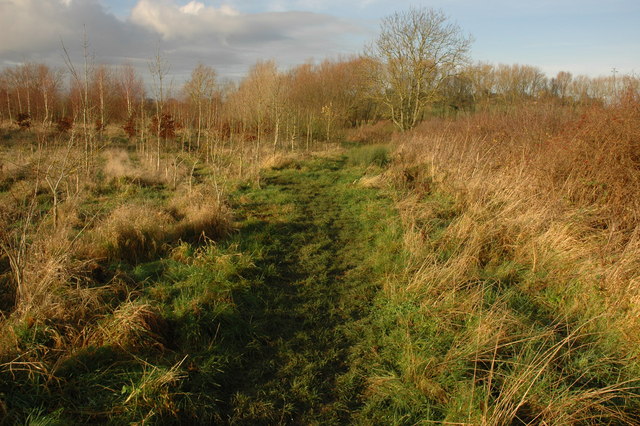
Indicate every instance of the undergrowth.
{"type": "Point", "coordinates": [516, 306]}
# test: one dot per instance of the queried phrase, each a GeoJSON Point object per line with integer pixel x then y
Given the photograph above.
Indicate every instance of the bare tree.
{"type": "Point", "coordinates": [200, 90]}
{"type": "Point", "coordinates": [159, 68]}
{"type": "Point", "coordinates": [416, 52]}
{"type": "Point", "coordinates": [560, 84]}
{"type": "Point", "coordinates": [6, 93]}
{"type": "Point", "coordinates": [81, 81]}
{"type": "Point", "coordinates": [101, 80]}
{"type": "Point", "coordinates": [130, 88]}
{"type": "Point", "coordinates": [48, 84]}
{"type": "Point", "coordinates": [482, 77]}
{"type": "Point", "coordinates": [519, 82]}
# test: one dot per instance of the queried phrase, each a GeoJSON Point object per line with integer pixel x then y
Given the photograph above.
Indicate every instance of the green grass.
{"type": "Point", "coordinates": [271, 325]}
{"type": "Point", "coordinates": [369, 155]}
{"type": "Point", "coordinates": [304, 315]}
{"type": "Point", "coordinates": [323, 247]}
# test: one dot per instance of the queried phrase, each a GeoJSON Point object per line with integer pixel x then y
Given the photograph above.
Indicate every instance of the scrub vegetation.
{"type": "Point", "coordinates": [401, 237]}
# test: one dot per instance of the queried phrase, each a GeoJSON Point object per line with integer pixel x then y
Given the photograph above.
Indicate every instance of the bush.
{"type": "Point", "coordinates": [65, 124]}
{"type": "Point", "coordinates": [23, 121]}
{"type": "Point", "coordinates": [167, 126]}
{"type": "Point", "coordinates": [130, 127]}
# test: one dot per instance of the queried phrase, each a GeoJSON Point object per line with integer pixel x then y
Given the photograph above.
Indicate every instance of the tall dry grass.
{"type": "Point", "coordinates": [548, 185]}
{"type": "Point", "coordinates": [524, 229]}
{"type": "Point", "coordinates": [145, 170]}
{"type": "Point", "coordinates": [58, 295]}
{"type": "Point", "coordinates": [201, 211]}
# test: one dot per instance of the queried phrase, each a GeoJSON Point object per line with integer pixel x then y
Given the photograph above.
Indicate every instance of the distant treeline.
{"type": "Point", "coordinates": [306, 102]}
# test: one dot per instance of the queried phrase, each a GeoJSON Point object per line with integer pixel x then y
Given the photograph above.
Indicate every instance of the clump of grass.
{"type": "Point", "coordinates": [45, 278]}
{"type": "Point", "coordinates": [13, 169]}
{"type": "Point", "coordinates": [376, 181]}
{"type": "Point", "coordinates": [279, 161]}
{"type": "Point", "coordinates": [370, 155]}
{"type": "Point", "coordinates": [134, 233]}
{"type": "Point", "coordinates": [119, 166]}
{"type": "Point", "coordinates": [135, 325]}
{"type": "Point", "coordinates": [202, 214]}
{"type": "Point", "coordinates": [155, 395]}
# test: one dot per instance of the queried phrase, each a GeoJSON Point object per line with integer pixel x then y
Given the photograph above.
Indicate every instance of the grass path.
{"type": "Point", "coordinates": [323, 245]}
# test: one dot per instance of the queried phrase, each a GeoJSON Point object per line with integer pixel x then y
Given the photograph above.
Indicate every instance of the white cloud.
{"type": "Point", "coordinates": [188, 32]}
{"type": "Point", "coordinates": [172, 21]}
{"type": "Point", "coordinates": [192, 8]}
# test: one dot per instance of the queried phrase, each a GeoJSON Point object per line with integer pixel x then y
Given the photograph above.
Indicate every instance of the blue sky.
{"type": "Point", "coordinates": [583, 37]}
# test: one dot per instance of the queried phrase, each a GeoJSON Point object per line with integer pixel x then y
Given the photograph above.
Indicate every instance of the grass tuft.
{"type": "Point", "coordinates": [135, 326]}
{"type": "Point", "coordinates": [135, 233]}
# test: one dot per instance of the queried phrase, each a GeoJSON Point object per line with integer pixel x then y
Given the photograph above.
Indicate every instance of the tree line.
{"type": "Point", "coordinates": [418, 67]}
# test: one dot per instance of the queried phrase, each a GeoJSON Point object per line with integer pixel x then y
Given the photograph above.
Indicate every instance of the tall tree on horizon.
{"type": "Point", "coordinates": [415, 54]}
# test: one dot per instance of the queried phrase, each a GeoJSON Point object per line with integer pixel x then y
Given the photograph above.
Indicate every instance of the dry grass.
{"type": "Point", "coordinates": [145, 170]}
{"type": "Point", "coordinates": [376, 181]}
{"type": "Point", "coordinates": [134, 232]}
{"type": "Point", "coordinates": [13, 169]}
{"type": "Point", "coordinates": [134, 326]}
{"type": "Point", "coordinates": [79, 301]}
{"type": "Point", "coordinates": [563, 199]}
{"type": "Point", "coordinates": [155, 395]}
{"type": "Point", "coordinates": [202, 213]}
{"type": "Point", "coordinates": [118, 164]}
{"type": "Point", "coordinates": [376, 133]}
{"type": "Point", "coordinates": [280, 160]}
{"type": "Point", "coordinates": [520, 216]}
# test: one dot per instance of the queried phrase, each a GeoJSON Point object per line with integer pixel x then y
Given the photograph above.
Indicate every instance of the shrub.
{"type": "Point", "coordinates": [130, 127]}
{"type": "Point", "coordinates": [166, 128]}
{"type": "Point", "coordinates": [64, 125]}
{"type": "Point", "coordinates": [23, 120]}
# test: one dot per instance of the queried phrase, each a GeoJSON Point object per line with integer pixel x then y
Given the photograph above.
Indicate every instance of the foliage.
{"type": "Point", "coordinates": [64, 125]}
{"type": "Point", "coordinates": [23, 121]}
{"type": "Point", "coordinates": [130, 127]}
{"type": "Point", "coordinates": [165, 127]}
{"type": "Point", "coordinates": [213, 257]}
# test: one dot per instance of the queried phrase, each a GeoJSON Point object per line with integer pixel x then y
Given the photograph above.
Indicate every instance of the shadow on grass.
{"type": "Point", "coordinates": [301, 304]}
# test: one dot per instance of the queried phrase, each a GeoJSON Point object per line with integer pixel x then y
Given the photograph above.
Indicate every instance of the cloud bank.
{"type": "Point", "coordinates": [222, 36]}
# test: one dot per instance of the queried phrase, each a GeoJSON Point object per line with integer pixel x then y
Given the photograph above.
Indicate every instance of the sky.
{"type": "Point", "coordinates": [580, 36]}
